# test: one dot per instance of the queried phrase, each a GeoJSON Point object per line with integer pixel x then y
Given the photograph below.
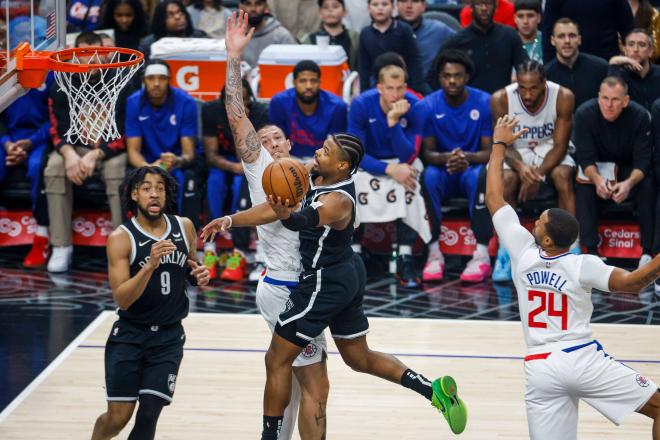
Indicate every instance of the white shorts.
{"type": "Point", "coordinates": [534, 157]}
{"type": "Point", "coordinates": [556, 383]}
{"type": "Point", "coordinates": [271, 300]}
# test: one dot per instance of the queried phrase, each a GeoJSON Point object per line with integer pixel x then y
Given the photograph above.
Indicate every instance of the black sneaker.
{"type": "Point", "coordinates": [408, 276]}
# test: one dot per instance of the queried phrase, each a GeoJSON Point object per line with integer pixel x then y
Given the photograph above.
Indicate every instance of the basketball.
{"type": "Point", "coordinates": [286, 178]}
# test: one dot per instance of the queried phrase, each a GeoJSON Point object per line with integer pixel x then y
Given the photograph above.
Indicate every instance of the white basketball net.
{"type": "Point", "coordinates": [93, 96]}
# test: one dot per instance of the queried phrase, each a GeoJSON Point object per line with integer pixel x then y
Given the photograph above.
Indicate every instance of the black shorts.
{"type": "Point", "coordinates": [142, 360]}
{"type": "Point", "coordinates": [331, 296]}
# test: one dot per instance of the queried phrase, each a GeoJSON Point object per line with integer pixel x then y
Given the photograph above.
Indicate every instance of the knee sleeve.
{"type": "Point", "coordinates": [147, 417]}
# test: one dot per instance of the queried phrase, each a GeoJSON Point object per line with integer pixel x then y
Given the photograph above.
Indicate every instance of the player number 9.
{"type": "Point", "coordinates": [165, 283]}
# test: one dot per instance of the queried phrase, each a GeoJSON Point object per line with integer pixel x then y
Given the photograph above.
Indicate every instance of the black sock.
{"type": "Point", "coordinates": [417, 382]}
{"type": "Point", "coordinates": [272, 426]}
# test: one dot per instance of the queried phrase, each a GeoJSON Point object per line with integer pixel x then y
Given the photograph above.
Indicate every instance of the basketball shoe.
{"type": "Point", "coordinates": [38, 256]}
{"type": "Point", "coordinates": [236, 268]}
{"type": "Point", "coordinates": [445, 399]}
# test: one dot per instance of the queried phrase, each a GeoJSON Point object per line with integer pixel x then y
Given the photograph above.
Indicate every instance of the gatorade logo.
{"type": "Point", "coordinates": [187, 78]}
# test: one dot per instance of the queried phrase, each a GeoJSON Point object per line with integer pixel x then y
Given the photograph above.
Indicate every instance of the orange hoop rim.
{"type": "Point", "coordinates": [64, 66]}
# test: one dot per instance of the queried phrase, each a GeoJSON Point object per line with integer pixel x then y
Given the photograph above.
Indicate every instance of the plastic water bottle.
{"type": "Point", "coordinates": [393, 258]}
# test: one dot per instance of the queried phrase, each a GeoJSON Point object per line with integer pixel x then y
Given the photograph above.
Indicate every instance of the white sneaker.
{"type": "Point", "coordinates": [645, 259]}
{"type": "Point", "coordinates": [60, 260]}
{"type": "Point", "coordinates": [256, 272]}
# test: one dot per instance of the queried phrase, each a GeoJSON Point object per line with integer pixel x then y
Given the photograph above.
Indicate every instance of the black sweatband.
{"type": "Point", "coordinates": [191, 279]}
{"type": "Point", "coordinates": [307, 217]}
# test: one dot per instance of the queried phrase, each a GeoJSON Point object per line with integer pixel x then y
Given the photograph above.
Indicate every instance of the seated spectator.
{"type": "Point", "coordinates": [613, 147]}
{"type": "Point", "coordinates": [528, 18]}
{"type": "Point", "coordinates": [601, 24]}
{"type": "Point", "coordinates": [129, 21]}
{"type": "Point", "coordinates": [457, 130]}
{"type": "Point", "coordinates": [170, 19]}
{"type": "Point", "coordinates": [579, 72]}
{"type": "Point", "coordinates": [494, 49]}
{"type": "Point", "coordinates": [74, 164]}
{"type": "Point", "coordinates": [540, 156]}
{"type": "Point", "coordinates": [430, 34]}
{"type": "Point", "coordinates": [209, 16]}
{"type": "Point", "coordinates": [300, 17]}
{"type": "Point", "coordinates": [393, 59]}
{"type": "Point", "coordinates": [225, 169]}
{"type": "Point", "coordinates": [387, 186]}
{"type": "Point", "coordinates": [504, 13]}
{"type": "Point", "coordinates": [388, 35]}
{"type": "Point", "coordinates": [305, 113]}
{"type": "Point", "coordinates": [636, 68]}
{"type": "Point", "coordinates": [655, 118]}
{"type": "Point", "coordinates": [161, 130]}
{"type": "Point", "coordinates": [332, 12]}
{"type": "Point", "coordinates": [267, 30]}
{"type": "Point", "coordinates": [83, 15]}
{"type": "Point", "coordinates": [24, 132]}
{"type": "Point", "coordinates": [647, 17]}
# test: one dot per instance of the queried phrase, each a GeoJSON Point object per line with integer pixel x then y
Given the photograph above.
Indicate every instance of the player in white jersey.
{"type": "Point", "coordinates": [280, 246]}
{"type": "Point", "coordinates": [540, 156]}
{"type": "Point", "coordinates": [564, 363]}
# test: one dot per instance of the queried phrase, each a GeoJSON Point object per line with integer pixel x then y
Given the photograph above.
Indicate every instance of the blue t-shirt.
{"type": "Point", "coordinates": [28, 117]}
{"type": "Point", "coordinates": [161, 129]}
{"type": "Point", "coordinates": [456, 127]}
{"type": "Point", "coordinates": [307, 133]}
{"type": "Point", "coordinates": [368, 122]}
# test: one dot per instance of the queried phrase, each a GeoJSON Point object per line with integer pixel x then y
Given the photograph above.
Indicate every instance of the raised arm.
{"type": "Point", "coordinates": [634, 282]}
{"type": "Point", "coordinates": [258, 215]}
{"type": "Point", "coordinates": [237, 38]}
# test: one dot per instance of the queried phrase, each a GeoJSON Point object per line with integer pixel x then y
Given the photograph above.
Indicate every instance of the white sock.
{"type": "Point", "coordinates": [481, 250]}
{"type": "Point", "coordinates": [434, 251]}
{"type": "Point", "coordinates": [357, 248]}
{"type": "Point", "coordinates": [405, 249]}
{"type": "Point", "coordinates": [42, 231]}
{"type": "Point", "coordinates": [209, 247]}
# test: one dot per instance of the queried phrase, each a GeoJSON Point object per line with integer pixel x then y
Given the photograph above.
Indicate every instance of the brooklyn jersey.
{"type": "Point", "coordinates": [554, 293]}
{"type": "Point", "coordinates": [324, 246]}
{"type": "Point", "coordinates": [164, 300]}
{"type": "Point", "coordinates": [280, 245]}
{"type": "Point", "coordinates": [541, 124]}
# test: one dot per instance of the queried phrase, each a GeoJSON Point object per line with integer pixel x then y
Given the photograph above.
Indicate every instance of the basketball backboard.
{"type": "Point", "coordinates": [40, 23]}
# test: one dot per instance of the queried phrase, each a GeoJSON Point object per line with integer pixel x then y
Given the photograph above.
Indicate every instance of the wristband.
{"type": "Point", "coordinates": [501, 143]}
{"type": "Point", "coordinates": [231, 221]}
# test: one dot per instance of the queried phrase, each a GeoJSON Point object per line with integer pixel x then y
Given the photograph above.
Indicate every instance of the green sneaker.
{"type": "Point", "coordinates": [446, 400]}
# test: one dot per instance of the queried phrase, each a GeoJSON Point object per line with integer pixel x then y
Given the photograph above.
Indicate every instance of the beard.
{"type": "Point", "coordinates": [256, 20]}
{"type": "Point", "coordinates": [308, 99]}
{"type": "Point", "coordinates": [149, 216]}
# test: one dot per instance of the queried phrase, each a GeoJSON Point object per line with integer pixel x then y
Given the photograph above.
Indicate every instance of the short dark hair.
{"type": "Point", "coordinates": [640, 31]}
{"type": "Point", "coordinates": [530, 66]}
{"type": "Point", "coordinates": [306, 66]}
{"type": "Point", "coordinates": [615, 80]}
{"type": "Point", "coordinates": [352, 148]}
{"type": "Point", "coordinates": [453, 56]}
{"type": "Point", "coordinates": [88, 37]}
{"type": "Point", "coordinates": [135, 178]}
{"type": "Point", "coordinates": [565, 20]}
{"type": "Point", "coordinates": [388, 59]}
{"type": "Point", "coordinates": [340, 1]}
{"type": "Point", "coordinates": [524, 5]}
{"type": "Point", "coordinates": [562, 227]}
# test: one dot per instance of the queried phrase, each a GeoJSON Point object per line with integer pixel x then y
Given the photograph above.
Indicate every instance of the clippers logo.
{"type": "Point", "coordinates": [474, 114]}
{"type": "Point", "coordinates": [642, 381]}
{"type": "Point", "coordinates": [171, 382]}
{"type": "Point", "coordinates": [310, 351]}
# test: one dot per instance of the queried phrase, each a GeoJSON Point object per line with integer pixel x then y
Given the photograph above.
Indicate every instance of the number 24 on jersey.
{"type": "Point", "coordinates": [547, 308]}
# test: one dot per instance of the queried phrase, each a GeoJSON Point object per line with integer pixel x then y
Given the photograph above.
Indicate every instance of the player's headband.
{"type": "Point", "coordinates": [156, 69]}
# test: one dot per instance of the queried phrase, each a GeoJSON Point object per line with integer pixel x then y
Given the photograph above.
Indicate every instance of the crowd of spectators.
{"type": "Point", "coordinates": [580, 75]}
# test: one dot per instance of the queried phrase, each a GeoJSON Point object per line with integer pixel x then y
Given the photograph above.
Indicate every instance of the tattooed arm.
{"type": "Point", "coordinates": [634, 282]}
{"type": "Point", "coordinates": [237, 38]}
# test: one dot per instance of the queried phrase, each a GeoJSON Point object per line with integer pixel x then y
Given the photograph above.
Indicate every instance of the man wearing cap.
{"type": "Point", "coordinates": [305, 113]}
{"type": "Point", "coordinates": [161, 130]}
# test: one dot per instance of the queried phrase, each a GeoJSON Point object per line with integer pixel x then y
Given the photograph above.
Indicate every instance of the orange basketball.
{"type": "Point", "coordinates": [286, 178]}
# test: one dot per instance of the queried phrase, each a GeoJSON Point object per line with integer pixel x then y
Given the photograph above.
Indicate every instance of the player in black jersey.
{"type": "Point", "coordinates": [331, 289]}
{"type": "Point", "coordinates": [150, 258]}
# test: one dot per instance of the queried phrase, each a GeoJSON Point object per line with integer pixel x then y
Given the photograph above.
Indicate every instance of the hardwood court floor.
{"type": "Point", "coordinates": [219, 390]}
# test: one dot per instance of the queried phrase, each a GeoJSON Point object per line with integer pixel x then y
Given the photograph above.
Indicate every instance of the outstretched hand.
{"type": "Point", "coordinates": [504, 127]}
{"type": "Point", "coordinates": [221, 224]}
{"type": "Point", "coordinates": [238, 36]}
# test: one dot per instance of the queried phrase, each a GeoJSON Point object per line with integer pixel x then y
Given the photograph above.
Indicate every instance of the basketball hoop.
{"type": "Point", "coordinates": [91, 77]}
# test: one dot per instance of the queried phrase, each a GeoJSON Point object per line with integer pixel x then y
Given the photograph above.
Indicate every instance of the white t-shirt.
{"type": "Point", "coordinates": [554, 293]}
{"type": "Point", "coordinates": [281, 246]}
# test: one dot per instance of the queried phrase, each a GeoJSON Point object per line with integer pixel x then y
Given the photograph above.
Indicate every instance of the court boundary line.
{"type": "Point", "coordinates": [37, 381]}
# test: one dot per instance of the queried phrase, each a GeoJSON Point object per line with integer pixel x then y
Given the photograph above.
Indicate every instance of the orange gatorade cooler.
{"type": "Point", "coordinates": [276, 64]}
{"type": "Point", "coordinates": [197, 64]}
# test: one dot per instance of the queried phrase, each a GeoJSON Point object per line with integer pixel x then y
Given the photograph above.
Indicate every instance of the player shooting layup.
{"type": "Point", "coordinates": [280, 244]}
{"type": "Point", "coordinates": [564, 362]}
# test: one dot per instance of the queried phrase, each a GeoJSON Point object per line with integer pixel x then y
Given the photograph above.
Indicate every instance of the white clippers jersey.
{"type": "Point", "coordinates": [541, 124]}
{"type": "Point", "coordinates": [554, 293]}
{"type": "Point", "coordinates": [281, 246]}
